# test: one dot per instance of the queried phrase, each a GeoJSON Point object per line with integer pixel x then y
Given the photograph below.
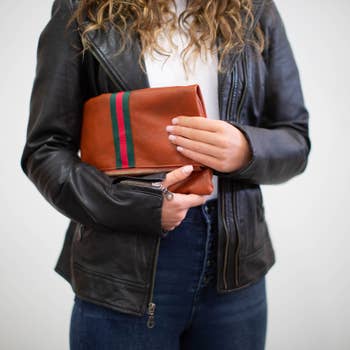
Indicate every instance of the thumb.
{"type": "Point", "coordinates": [177, 175]}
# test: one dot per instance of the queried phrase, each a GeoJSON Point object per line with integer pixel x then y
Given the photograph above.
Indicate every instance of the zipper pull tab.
{"type": "Point", "coordinates": [168, 194]}
{"type": "Point", "coordinates": [150, 320]}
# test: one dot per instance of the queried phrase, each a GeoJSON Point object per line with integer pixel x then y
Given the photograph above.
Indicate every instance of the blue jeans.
{"type": "Point", "coordinates": [190, 314]}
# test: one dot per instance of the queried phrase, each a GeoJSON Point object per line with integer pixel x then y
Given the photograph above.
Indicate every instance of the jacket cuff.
{"type": "Point", "coordinates": [143, 183]}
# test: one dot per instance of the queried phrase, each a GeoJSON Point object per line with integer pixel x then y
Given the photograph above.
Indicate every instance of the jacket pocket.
{"type": "Point", "coordinates": [253, 229]}
{"type": "Point", "coordinates": [121, 256]}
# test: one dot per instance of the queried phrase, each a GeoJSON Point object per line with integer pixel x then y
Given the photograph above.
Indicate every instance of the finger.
{"type": "Point", "coordinates": [196, 134]}
{"type": "Point", "coordinates": [197, 123]}
{"type": "Point", "coordinates": [177, 175]}
{"type": "Point", "coordinates": [209, 161]}
{"type": "Point", "coordinates": [197, 146]}
{"type": "Point", "coordinates": [192, 200]}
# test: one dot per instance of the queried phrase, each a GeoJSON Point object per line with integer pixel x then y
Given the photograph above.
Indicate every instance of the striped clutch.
{"type": "Point", "coordinates": [123, 133]}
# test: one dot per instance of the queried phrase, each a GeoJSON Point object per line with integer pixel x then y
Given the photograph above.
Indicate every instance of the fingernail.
{"type": "Point", "coordinates": [169, 128]}
{"type": "Point", "coordinates": [187, 169]}
{"type": "Point", "coordinates": [172, 137]}
{"type": "Point", "coordinates": [174, 120]}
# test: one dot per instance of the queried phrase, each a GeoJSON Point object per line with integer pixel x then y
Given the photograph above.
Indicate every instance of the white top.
{"type": "Point", "coordinates": [171, 73]}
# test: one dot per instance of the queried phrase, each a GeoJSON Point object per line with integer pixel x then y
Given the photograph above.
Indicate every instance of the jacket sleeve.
{"type": "Point", "coordinates": [50, 155]}
{"type": "Point", "coordinates": [280, 145]}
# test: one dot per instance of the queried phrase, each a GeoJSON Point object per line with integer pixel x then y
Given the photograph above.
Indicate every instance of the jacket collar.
{"type": "Point", "coordinates": [123, 67]}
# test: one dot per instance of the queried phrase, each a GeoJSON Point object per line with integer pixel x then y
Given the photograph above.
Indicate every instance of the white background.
{"type": "Point", "coordinates": [308, 287]}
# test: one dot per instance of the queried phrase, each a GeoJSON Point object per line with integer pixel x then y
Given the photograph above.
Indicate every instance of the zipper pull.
{"type": "Point", "coordinates": [151, 310]}
{"type": "Point", "coordinates": [168, 194]}
{"type": "Point", "coordinates": [80, 232]}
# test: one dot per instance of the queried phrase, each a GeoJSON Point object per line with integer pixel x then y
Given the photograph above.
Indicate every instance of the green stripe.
{"type": "Point", "coordinates": [130, 144]}
{"type": "Point", "coordinates": [112, 102]}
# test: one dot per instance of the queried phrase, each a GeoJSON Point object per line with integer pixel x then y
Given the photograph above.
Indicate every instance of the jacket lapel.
{"type": "Point", "coordinates": [122, 68]}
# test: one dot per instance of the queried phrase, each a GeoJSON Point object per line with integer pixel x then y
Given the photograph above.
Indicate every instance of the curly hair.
{"type": "Point", "coordinates": [148, 18]}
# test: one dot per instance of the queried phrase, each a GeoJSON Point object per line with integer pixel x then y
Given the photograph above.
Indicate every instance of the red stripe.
{"type": "Point", "coordinates": [121, 127]}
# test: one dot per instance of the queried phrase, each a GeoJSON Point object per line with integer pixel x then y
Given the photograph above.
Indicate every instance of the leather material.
{"type": "Point", "coordinates": [110, 244]}
{"type": "Point", "coordinates": [124, 133]}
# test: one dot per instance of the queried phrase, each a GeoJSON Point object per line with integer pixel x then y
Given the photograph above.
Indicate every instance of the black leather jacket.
{"type": "Point", "coordinates": [110, 250]}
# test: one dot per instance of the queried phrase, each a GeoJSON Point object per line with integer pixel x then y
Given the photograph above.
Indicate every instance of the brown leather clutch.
{"type": "Point", "coordinates": [123, 133]}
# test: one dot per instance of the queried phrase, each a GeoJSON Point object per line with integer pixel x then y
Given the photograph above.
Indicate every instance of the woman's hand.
{"type": "Point", "coordinates": [214, 143]}
{"type": "Point", "coordinates": [175, 210]}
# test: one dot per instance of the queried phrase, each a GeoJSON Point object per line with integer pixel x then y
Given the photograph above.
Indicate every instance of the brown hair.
{"type": "Point", "coordinates": [147, 18]}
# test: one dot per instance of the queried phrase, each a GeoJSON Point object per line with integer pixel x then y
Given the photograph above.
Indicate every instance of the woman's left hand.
{"type": "Point", "coordinates": [214, 143]}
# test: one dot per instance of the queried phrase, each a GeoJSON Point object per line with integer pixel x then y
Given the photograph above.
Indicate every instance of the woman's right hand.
{"type": "Point", "coordinates": [175, 210]}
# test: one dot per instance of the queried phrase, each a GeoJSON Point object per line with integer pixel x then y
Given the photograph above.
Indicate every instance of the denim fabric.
{"type": "Point", "coordinates": [189, 313]}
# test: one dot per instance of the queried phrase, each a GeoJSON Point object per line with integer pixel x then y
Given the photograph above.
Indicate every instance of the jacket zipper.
{"type": "Point", "coordinates": [234, 194]}
{"type": "Point", "coordinates": [227, 239]}
{"type": "Point", "coordinates": [231, 101]}
{"type": "Point", "coordinates": [139, 183]}
{"type": "Point", "coordinates": [151, 305]}
{"type": "Point", "coordinates": [234, 200]}
{"type": "Point", "coordinates": [245, 88]}
{"type": "Point", "coordinates": [80, 229]}
{"type": "Point", "coordinates": [232, 92]}
{"type": "Point", "coordinates": [153, 184]}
